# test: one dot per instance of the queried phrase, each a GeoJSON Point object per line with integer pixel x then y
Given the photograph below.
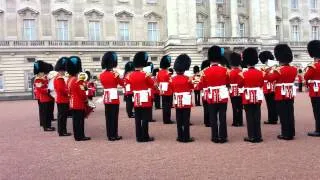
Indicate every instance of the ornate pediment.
{"type": "Point", "coordinates": [94, 13]}
{"type": "Point", "coordinates": [243, 18]}
{"type": "Point", "coordinates": [201, 16]}
{"type": "Point", "coordinates": [124, 14]}
{"type": "Point", "coordinates": [152, 15]}
{"type": "Point", "coordinates": [222, 18]}
{"type": "Point", "coordinates": [315, 21]}
{"type": "Point", "coordinates": [61, 11]}
{"type": "Point", "coordinates": [26, 10]}
{"type": "Point", "coordinates": [296, 20]}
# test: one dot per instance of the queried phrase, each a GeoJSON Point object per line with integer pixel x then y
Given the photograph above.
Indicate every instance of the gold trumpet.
{"type": "Point", "coordinates": [83, 76]}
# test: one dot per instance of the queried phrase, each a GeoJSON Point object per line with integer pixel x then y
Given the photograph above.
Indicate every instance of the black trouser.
{"type": "Point", "coordinates": [166, 108]}
{"type": "Point", "coordinates": [206, 113]}
{"type": "Point", "coordinates": [129, 104]}
{"type": "Point", "coordinates": [237, 110]}
{"type": "Point", "coordinates": [286, 113]}
{"type": "Point", "coordinates": [157, 101]}
{"type": "Point", "coordinates": [78, 124]}
{"type": "Point", "coordinates": [253, 115]}
{"type": "Point", "coordinates": [197, 97]}
{"type": "Point", "coordinates": [40, 110]}
{"type": "Point", "coordinates": [218, 125]}
{"type": "Point", "coordinates": [142, 118]}
{"type": "Point", "coordinates": [45, 115]}
{"type": "Point", "coordinates": [316, 111]}
{"type": "Point", "coordinates": [183, 123]}
{"type": "Point", "coordinates": [63, 109]}
{"type": "Point", "coordinates": [51, 110]}
{"type": "Point", "coordinates": [271, 106]}
{"type": "Point", "coordinates": [300, 87]}
{"type": "Point", "coordinates": [111, 114]}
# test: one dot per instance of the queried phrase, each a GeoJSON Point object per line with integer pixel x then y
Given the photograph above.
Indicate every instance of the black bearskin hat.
{"type": "Point", "coordinates": [250, 56]}
{"type": "Point", "coordinates": [48, 68]}
{"type": "Point", "coordinates": [128, 67]}
{"type": "Point", "coordinates": [215, 54]}
{"type": "Point", "coordinates": [155, 71]}
{"type": "Point", "coordinates": [196, 69]}
{"type": "Point", "coordinates": [283, 53]}
{"type": "Point", "coordinates": [182, 63]}
{"type": "Point", "coordinates": [89, 75]}
{"type": "Point", "coordinates": [264, 56]}
{"type": "Point", "coordinates": [38, 67]}
{"type": "Point", "coordinates": [109, 60]}
{"type": "Point", "coordinates": [225, 62]}
{"type": "Point", "coordinates": [165, 62]}
{"type": "Point", "coordinates": [314, 49]}
{"type": "Point", "coordinates": [61, 64]}
{"type": "Point", "coordinates": [140, 59]}
{"type": "Point", "coordinates": [205, 64]}
{"type": "Point", "coordinates": [235, 59]}
{"type": "Point", "coordinates": [73, 65]}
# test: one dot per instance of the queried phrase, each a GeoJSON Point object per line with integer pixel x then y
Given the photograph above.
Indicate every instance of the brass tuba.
{"type": "Point", "coordinates": [83, 76]}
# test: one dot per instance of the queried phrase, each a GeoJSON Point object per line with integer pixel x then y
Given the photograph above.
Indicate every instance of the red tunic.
{"type": "Point", "coordinates": [61, 89]}
{"type": "Point", "coordinates": [91, 89]}
{"type": "Point", "coordinates": [155, 89]}
{"type": "Point", "coordinates": [77, 93]}
{"type": "Point", "coordinates": [41, 85]}
{"type": "Point", "coordinates": [284, 79]}
{"type": "Point", "coordinates": [182, 87]}
{"type": "Point", "coordinates": [235, 80]}
{"type": "Point", "coordinates": [252, 83]}
{"type": "Point", "coordinates": [215, 79]}
{"type": "Point", "coordinates": [164, 77]}
{"type": "Point", "coordinates": [36, 93]}
{"type": "Point", "coordinates": [110, 83]}
{"type": "Point", "coordinates": [141, 85]}
{"type": "Point", "coordinates": [127, 85]}
{"type": "Point", "coordinates": [312, 78]}
{"type": "Point", "coordinates": [268, 86]}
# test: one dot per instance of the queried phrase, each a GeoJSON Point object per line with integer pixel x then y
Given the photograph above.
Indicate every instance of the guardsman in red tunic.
{"type": "Point", "coordinates": [41, 86]}
{"type": "Point", "coordinates": [156, 89]}
{"type": "Point", "coordinates": [204, 65]}
{"type": "Point", "coordinates": [91, 87]}
{"type": "Point", "coordinates": [285, 90]}
{"type": "Point", "coordinates": [235, 91]}
{"type": "Point", "coordinates": [141, 83]}
{"type": "Point", "coordinates": [182, 97]}
{"type": "Point", "coordinates": [197, 90]}
{"type": "Point", "coordinates": [78, 97]}
{"type": "Point", "coordinates": [268, 89]}
{"type": "Point", "coordinates": [163, 80]}
{"type": "Point", "coordinates": [128, 94]}
{"type": "Point", "coordinates": [110, 80]}
{"type": "Point", "coordinates": [300, 80]}
{"type": "Point", "coordinates": [216, 79]}
{"type": "Point", "coordinates": [312, 77]}
{"type": "Point", "coordinates": [62, 96]}
{"type": "Point", "coordinates": [252, 83]}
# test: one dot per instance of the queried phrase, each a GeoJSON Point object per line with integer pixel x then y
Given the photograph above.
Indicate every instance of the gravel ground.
{"type": "Point", "coordinates": [26, 152]}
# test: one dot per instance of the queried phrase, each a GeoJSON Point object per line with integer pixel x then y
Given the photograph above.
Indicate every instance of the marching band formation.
{"type": "Point", "coordinates": [213, 82]}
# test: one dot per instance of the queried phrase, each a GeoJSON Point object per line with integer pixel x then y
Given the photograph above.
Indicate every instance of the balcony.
{"type": "Point", "coordinates": [296, 43]}
{"type": "Point", "coordinates": [231, 41]}
{"type": "Point", "coordinates": [78, 44]}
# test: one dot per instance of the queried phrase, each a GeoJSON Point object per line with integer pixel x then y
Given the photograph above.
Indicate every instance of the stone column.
{"type": "Point", "coordinates": [213, 17]}
{"type": "Point", "coordinates": [234, 18]}
{"type": "Point", "coordinates": [272, 19]}
{"type": "Point", "coordinates": [172, 18]}
{"type": "Point", "coordinates": [254, 18]}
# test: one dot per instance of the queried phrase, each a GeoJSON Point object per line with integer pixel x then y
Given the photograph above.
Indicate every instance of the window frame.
{"type": "Point", "coordinates": [32, 35]}
{"type": "Point", "coordinates": [62, 29]}
{"type": "Point", "coordinates": [122, 29]}
{"type": "Point", "coordinates": [295, 34]}
{"type": "Point", "coordinates": [154, 31]}
{"type": "Point", "coordinates": [27, 75]}
{"type": "Point", "coordinates": [2, 81]}
{"type": "Point", "coordinates": [96, 31]}
{"type": "Point", "coordinates": [218, 30]}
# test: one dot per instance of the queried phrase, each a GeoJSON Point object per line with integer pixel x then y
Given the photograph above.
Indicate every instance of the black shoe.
{"type": "Point", "coordinates": [131, 116]}
{"type": "Point", "coordinates": [111, 138]}
{"type": "Point", "coordinates": [215, 140]}
{"type": "Point", "coordinates": [314, 134]}
{"type": "Point", "coordinates": [247, 139]}
{"type": "Point", "coordinates": [140, 140]}
{"type": "Point", "coordinates": [152, 120]}
{"type": "Point", "coordinates": [50, 129]}
{"type": "Point", "coordinates": [65, 134]}
{"type": "Point", "coordinates": [269, 122]}
{"type": "Point", "coordinates": [179, 139]}
{"type": "Point", "coordinates": [223, 140]}
{"type": "Point", "coordinates": [189, 140]}
{"type": "Point", "coordinates": [118, 138]}
{"type": "Point", "coordinates": [235, 125]}
{"type": "Point", "coordinates": [83, 139]}
{"type": "Point", "coordinates": [207, 125]}
{"type": "Point", "coordinates": [258, 140]}
{"type": "Point", "coordinates": [285, 138]}
{"type": "Point", "coordinates": [149, 139]}
{"type": "Point", "coordinates": [169, 122]}
{"type": "Point", "coordinates": [190, 124]}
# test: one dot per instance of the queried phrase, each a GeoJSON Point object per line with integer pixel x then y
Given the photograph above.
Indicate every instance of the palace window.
{"type": "Point", "coordinates": [241, 29]}
{"type": "Point", "coordinates": [315, 33]}
{"type": "Point", "coordinates": [153, 31]}
{"type": "Point", "coordinates": [295, 34]}
{"type": "Point", "coordinates": [313, 4]}
{"type": "Point", "coordinates": [124, 31]}
{"type": "Point", "coordinates": [29, 29]}
{"type": "Point", "coordinates": [1, 81]}
{"type": "Point", "coordinates": [94, 31]}
{"type": "Point", "coordinates": [240, 3]}
{"type": "Point", "coordinates": [278, 31]}
{"type": "Point", "coordinates": [200, 29]}
{"type": "Point", "coordinates": [220, 29]}
{"type": "Point", "coordinates": [62, 30]}
{"type": "Point", "coordinates": [28, 80]}
{"type": "Point", "coordinates": [219, 1]}
{"type": "Point", "coordinates": [294, 4]}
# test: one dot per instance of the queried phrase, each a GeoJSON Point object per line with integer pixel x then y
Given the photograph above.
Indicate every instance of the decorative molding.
{"type": "Point", "coordinates": [201, 16]}
{"type": "Point", "coordinates": [222, 18]}
{"type": "Point", "coordinates": [315, 21]}
{"type": "Point", "coordinates": [61, 11]}
{"type": "Point", "coordinates": [278, 18]}
{"type": "Point", "coordinates": [123, 1]}
{"type": "Point", "coordinates": [242, 18]}
{"type": "Point", "coordinates": [24, 11]}
{"type": "Point", "coordinates": [124, 15]}
{"type": "Point", "coordinates": [296, 20]}
{"type": "Point", "coordinates": [151, 15]}
{"type": "Point", "coordinates": [94, 13]}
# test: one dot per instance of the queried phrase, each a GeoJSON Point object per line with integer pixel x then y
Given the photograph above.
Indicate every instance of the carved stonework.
{"type": "Point", "coordinates": [315, 21]}
{"type": "Point", "coordinates": [201, 16]}
{"type": "Point", "coordinates": [28, 10]}
{"type": "Point", "coordinates": [243, 18]}
{"type": "Point", "coordinates": [62, 12]}
{"type": "Point", "coordinates": [124, 15]}
{"type": "Point", "coordinates": [295, 20]}
{"type": "Point", "coordinates": [278, 19]}
{"type": "Point", "coordinates": [123, 1]}
{"type": "Point", "coordinates": [152, 16]}
{"type": "Point", "coordinates": [222, 18]}
{"type": "Point", "coordinates": [94, 14]}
